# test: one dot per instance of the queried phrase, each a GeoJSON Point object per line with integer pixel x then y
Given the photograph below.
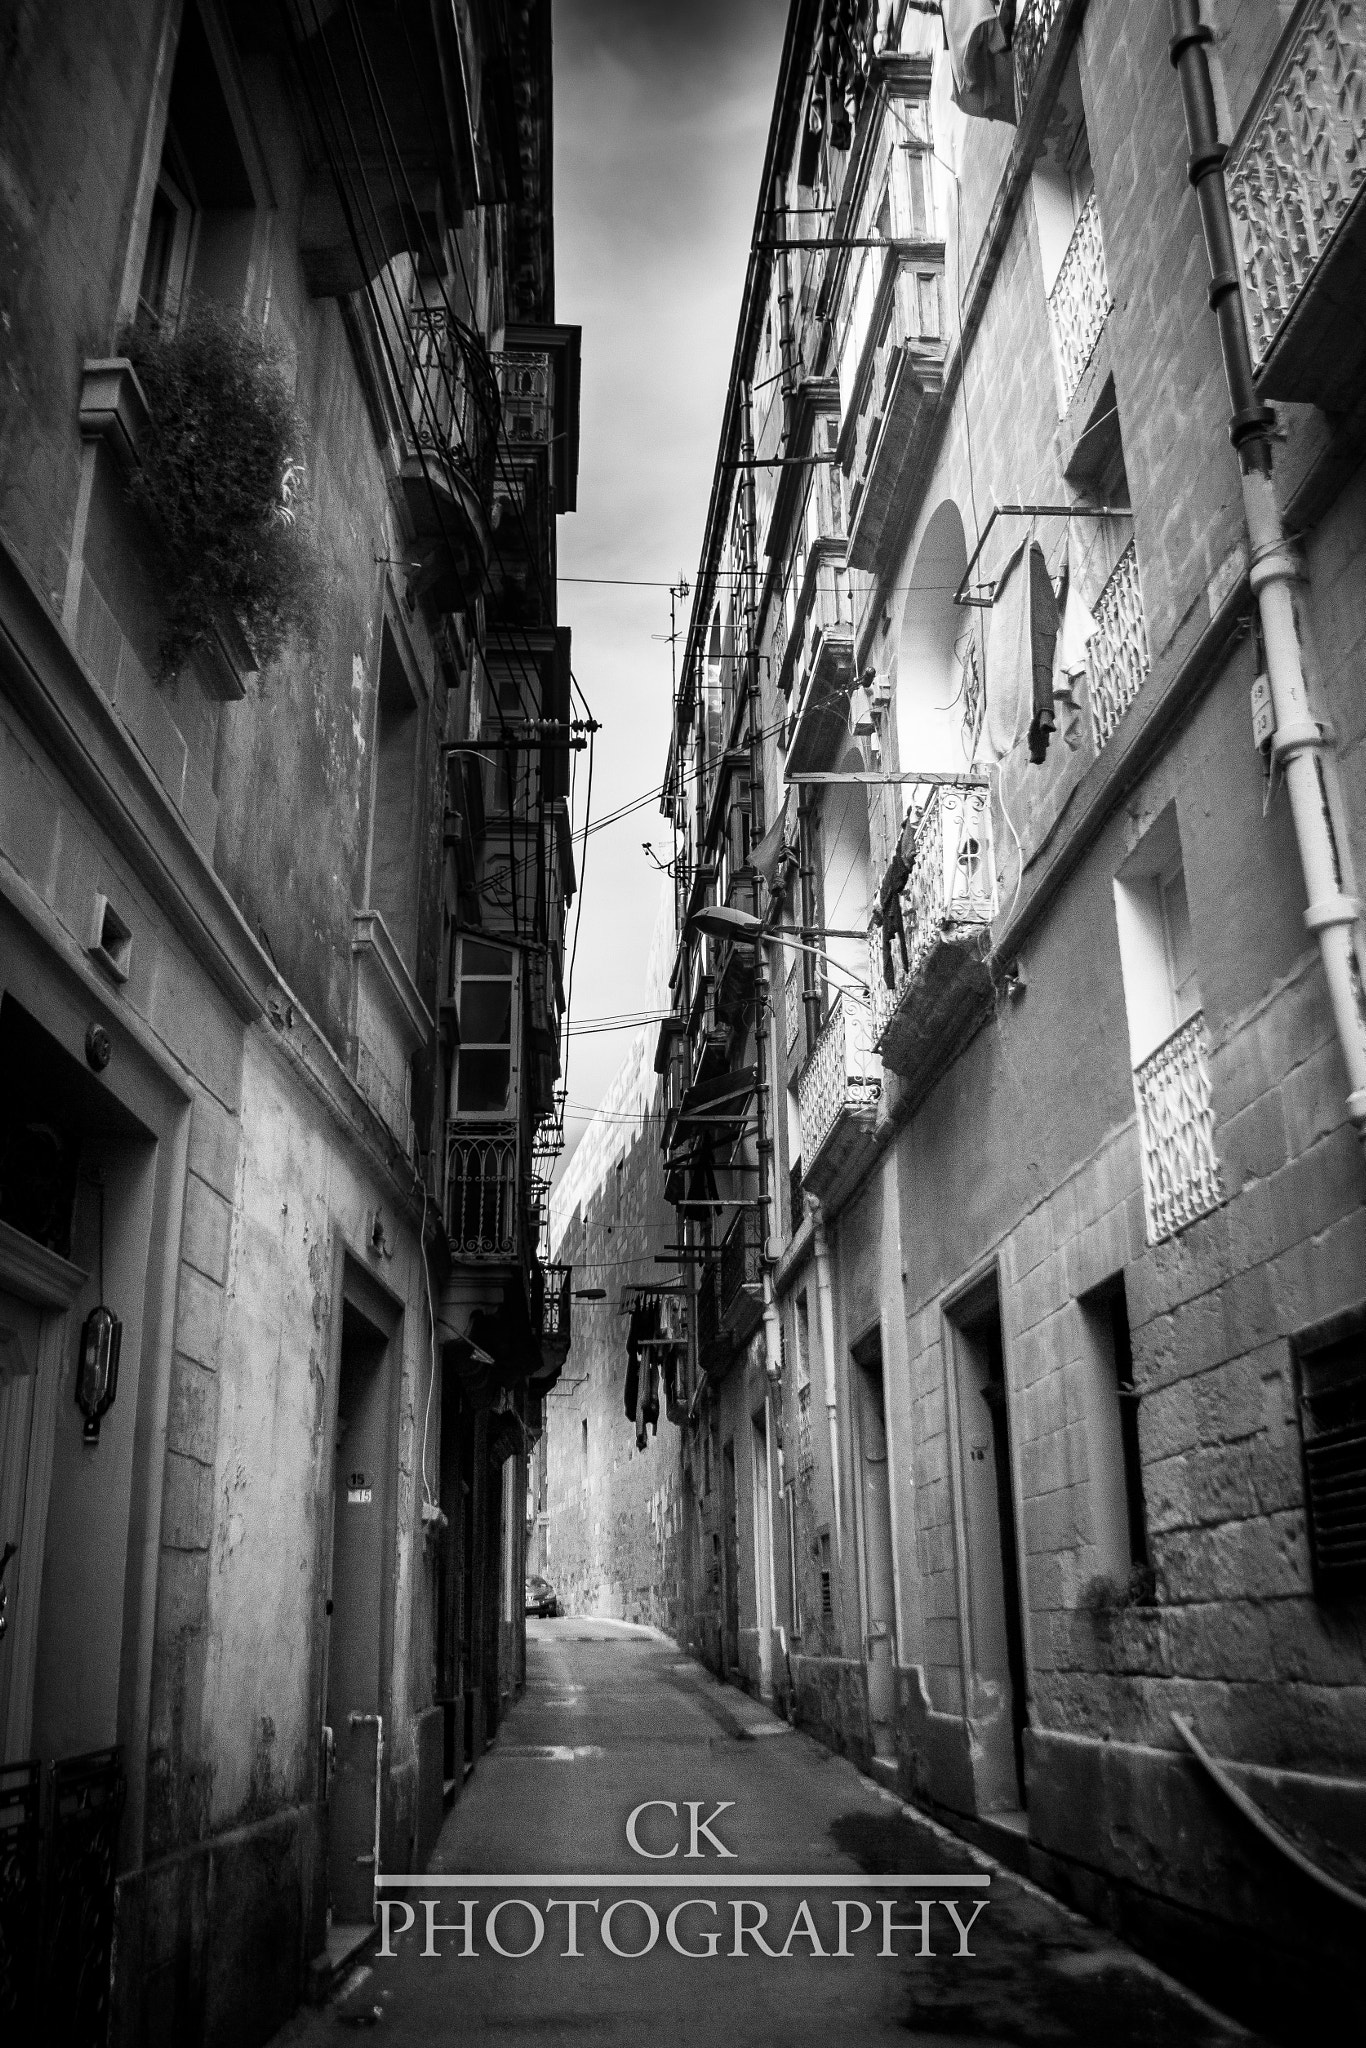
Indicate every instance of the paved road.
{"type": "Point", "coordinates": [614, 1716]}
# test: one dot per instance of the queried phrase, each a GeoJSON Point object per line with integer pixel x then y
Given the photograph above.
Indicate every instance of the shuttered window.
{"type": "Point", "coordinates": [1333, 1424]}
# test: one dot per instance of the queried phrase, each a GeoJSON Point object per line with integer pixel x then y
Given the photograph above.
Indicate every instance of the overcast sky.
{"type": "Point", "coordinates": [661, 115]}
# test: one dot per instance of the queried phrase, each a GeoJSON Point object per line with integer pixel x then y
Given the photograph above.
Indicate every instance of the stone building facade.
{"type": "Point", "coordinates": [1039, 1384]}
{"type": "Point", "coordinates": [281, 946]}
{"type": "Point", "coordinates": [621, 1524]}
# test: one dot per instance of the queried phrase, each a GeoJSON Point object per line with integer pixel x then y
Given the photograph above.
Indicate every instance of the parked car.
{"type": "Point", "coordinates": [541, 1597]}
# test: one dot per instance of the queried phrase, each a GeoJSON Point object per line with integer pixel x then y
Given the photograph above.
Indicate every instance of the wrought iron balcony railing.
{"type": "Point", "coordinates": [453, 400]}
{"type": "Point", "coordinates": [1080, 299]}
{"type": "Point", "coordinates": [842, 1079]}
{"type": "Point", "coordinates": [1033, 25]}
{"type": "Point", "coordinates": [482, 1190]}
{"type": "Point", "coordinates": [1181, 1177]}
{"type": "Point", "coordinates": [1299, 168]}
{"type": "Point", "coordinates": [948, 897]}
{"type": "Point", "coordinates": [1117, 657]}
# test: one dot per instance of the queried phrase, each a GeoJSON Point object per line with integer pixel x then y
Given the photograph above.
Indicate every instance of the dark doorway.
{"type": "Point", "coordinates": [875, 1504]}
{"type": "Point", "coordinates": [354, 1659]}
{"type": "Point", "coordinates": [730, 1561]}
{"type": "Point", "coordinates": [996, 1620]}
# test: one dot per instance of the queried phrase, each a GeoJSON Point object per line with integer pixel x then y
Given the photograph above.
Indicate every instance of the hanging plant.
{"type": "Point", "coordinates": [222, 483]}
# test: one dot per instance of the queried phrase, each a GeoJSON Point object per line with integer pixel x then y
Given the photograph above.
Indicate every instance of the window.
{"type": "Point", "coordinates": [1119, 1521]}
{"type": "Point", "coordinates": [1167, 1038]}
{"type": "Point", "coordinates": [209, 208]}
{"type": "Point", "coordinates": [585, 1439]}
{"type": "Point", "coordinates": [395, 803]}
{"type": "Point", "coordinates": [827, 1601]}
{"type": "Point", "coordinates": [1333, 1432]}
{"type": "Point", "coordinates": [485, 1072]}
{"type": "Point", "coordinates": [806, 1456]}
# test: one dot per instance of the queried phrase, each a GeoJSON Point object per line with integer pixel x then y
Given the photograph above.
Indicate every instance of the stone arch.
{"type": "Point", "coordinates": [934, 633]}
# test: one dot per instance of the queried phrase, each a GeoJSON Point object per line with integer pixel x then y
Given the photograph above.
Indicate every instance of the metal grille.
{"type": "Point", "coordinates": [1302, 165]}
{"type": "Point", "coordinates": [792, 996]}
{"type": "Point", "coordinates": [481, 1189]}
{"type": "Point", "coordinates": [949, 887]}
{"type": "Point", "coordinates": [806, 1457]}
{"type": "Point", "coordinates": [1117, 654]}
{"type": "Point", "coordinates": [451, 397]}
{"type": "Point", "coordinates": [78, 1934]}
{"type": "Point", "coordinates": [1080, 299]}
{"type": "Point", "coordinates": [1032, 24]}
{"type": "Point", "coordinates": [1181, 1177]}
{"type": "Point", "coordinates": [840, 1076]}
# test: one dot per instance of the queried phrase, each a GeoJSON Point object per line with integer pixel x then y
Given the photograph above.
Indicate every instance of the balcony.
{"type": "Point", "coordinates": [1080, 301]}
{"type": "Point", "coordinates": [483, 1209]}
{"type": "Point", "coordinates": [820, 663]}
{"type": "Point", "coordinates": [1117, 656]}
{"type": "Point", "coordinates": [741, 1291]}
{"type": "Point", "coordinates": [447, 478]}
{"type": "Point", "coordinates": [1033, 25]}
{"type": "Point", "coordinates": [928, 971]}
{"type": "Point", "coordinates": [837, 1093]}
{"type": "Point", "coordinates": [1295, 176]}
{"type": "Point", "coordinates": [550, 1303]}
{"type": "Point", "coordinates": [710, 1352]}
{"type": "Point", "coordinates": [892, 397]}
{"type": "Point", "coordinates": [1181, 1177]}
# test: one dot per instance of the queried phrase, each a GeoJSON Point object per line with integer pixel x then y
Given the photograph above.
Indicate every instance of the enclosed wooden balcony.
{"type": "Point", "coordinates": [741, 1291]}
{"type": "Point", "coordinates": [891, 395]}
{"type": "Point", "coordinates": [928, 970]}
{"type": "Point", "coordinates": [819, 663]}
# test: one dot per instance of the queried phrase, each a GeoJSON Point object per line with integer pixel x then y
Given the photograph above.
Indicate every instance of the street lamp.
{"type": "Point", "coordinates": [719, 921]}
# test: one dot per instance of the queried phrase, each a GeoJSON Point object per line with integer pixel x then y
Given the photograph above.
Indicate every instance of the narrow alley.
{"type": "Point", "coordinates": [613, 1717]}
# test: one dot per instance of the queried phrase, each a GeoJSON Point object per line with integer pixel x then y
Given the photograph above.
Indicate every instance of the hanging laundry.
{"type": "Point", "coordinates": [647, 1412]}
{"type": "Point", "coordinates": [1024, 634]}
{"type": "Point", "coordinates": [1071, 660]}
{"type": "Point", "coordinates": [980, 38]}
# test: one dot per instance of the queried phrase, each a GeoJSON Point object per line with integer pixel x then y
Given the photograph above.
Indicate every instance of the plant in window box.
{"type": "Point", "coordinates": [222, 484]}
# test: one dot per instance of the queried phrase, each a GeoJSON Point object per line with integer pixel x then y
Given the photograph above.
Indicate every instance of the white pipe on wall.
{"type": "Point", "coordinates": [826, 1301]}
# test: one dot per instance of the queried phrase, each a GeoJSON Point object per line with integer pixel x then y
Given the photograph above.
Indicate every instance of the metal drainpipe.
{"type": "Point", "coordinates": [375, 1721]}
{"type": "Point", "coordinates": [1302, 746]}
{"type": "Point", "coordinates": [826, 1301]}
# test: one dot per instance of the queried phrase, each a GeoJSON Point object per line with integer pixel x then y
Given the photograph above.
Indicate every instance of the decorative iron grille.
{"type": "Point", "coordinates": [792, 1000]}
{"type": "Point", "coordinates": [1301, 166]}
{"type": "Point", "coordinates": [1181, 1177]}
{"type": "Point", "coordinates": [481, 1189]}
{"type": "Point", "coordinates": [838, 1078]}
{"type": "Point", "coordinates": [806, 1456]}
{"type": "Point", "coordinates": [1033, 23]}
{"type": "Point", "coordinates": [78, 1896]}
{"type": "Point", "coordinates": [1117, 655]}
{"type": "Point", "coordinates": [1080, 299]}
{"type": "Point", "coordinates": [949, 888]}
{"type": "Point", "coordinates": [452, 396]}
